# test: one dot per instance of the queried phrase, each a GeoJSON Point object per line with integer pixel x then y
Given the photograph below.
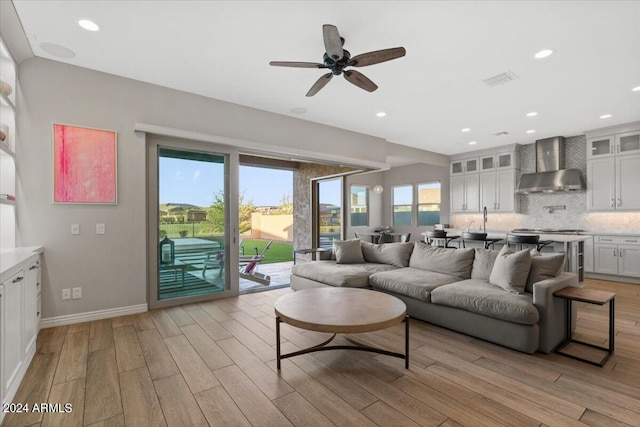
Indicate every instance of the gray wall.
{"type": "Point", "coordinates": [111, 268]}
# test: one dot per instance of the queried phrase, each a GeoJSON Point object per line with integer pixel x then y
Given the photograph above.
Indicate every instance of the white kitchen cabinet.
{"type": "Point", "coordinates": [627, 181]}
{"type": "Point", "coordinates": [498, 191]}
{"type": "Point", "coordinates": [601, 184]}
{"type": "Point", "coordinates": [617, 255]}
{"type": "Point", "coordinates": [505, 160]}
{"type": "Point", "coordinates": [465, 193]}
{"type": "Point", "coordinates": [30, 305]}
{"type": "Point", "coordinates": [612, 183]}
{"type": "Point", "coordinates": [12, 324]}
{"type": "Point", "coordinates": [19, 320]}
{"type": "Point", "coordinates": [460, 167]}
{"type": "Point", "coordinates": [601, 147]}
{"type": "Point", "coordinates": [627, 143]}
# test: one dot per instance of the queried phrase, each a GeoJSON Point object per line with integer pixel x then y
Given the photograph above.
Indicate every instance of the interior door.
{"type": "Point", "coordinates": [192, 221]}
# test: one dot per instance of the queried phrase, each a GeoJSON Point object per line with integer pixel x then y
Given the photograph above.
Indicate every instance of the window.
{"type": "Point", "coordinates": [402, 205]}
{"type": "Point", "coordinates": [359, 205]}
{"type": "Point", "coordinates": [429, 203]}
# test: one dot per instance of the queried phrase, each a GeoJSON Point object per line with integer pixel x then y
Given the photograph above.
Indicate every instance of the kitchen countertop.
{"type": "Point", "coordinates": [10, 259]}
{"type": "Point", "coordinates": [498, 234]}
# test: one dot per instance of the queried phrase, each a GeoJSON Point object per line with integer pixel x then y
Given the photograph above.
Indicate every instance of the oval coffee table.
{"type": "Point", "coordinates": [340, 311]}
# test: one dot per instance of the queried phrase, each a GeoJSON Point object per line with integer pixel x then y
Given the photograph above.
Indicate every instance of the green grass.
{"type": "Point", "coordinates": [278, 252]}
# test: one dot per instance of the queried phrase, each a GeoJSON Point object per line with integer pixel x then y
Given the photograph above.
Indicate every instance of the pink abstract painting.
{"type": "Point", "coordinates": [84, 165]}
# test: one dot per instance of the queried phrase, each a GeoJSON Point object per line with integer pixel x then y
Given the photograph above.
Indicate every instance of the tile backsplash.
{"type": "Point", "coordinates": [575, 216]}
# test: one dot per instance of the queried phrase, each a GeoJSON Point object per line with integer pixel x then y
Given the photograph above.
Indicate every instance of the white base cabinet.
{"type": "Point", "coordinates": [617, 255]}
{"type": "Point", "coordinates": [19, 324]}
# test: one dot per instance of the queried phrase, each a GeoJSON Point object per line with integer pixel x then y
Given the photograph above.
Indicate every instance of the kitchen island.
{"type": "Point", "coordinates": [570, 244]}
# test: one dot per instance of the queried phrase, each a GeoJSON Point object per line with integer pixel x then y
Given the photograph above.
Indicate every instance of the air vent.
{"type": "Point", "coordinates": [501, 79]}
{"type": "Point", "coordinates": [504, 132]}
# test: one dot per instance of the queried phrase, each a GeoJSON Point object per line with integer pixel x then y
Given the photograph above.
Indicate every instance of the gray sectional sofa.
{"type": "Point", "coordinates": [458, 289]}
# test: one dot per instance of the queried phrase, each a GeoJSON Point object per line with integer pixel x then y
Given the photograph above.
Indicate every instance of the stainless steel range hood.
{"type": "Point", "coordinates": [551, 176]}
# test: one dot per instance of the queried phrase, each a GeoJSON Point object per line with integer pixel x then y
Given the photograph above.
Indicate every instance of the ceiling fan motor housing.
{"type": "Point", "coordinates": [336, 67]}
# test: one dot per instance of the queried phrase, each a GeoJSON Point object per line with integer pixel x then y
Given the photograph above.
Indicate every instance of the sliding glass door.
{"type": "Point", "coordinates": [329, 216]}
{"type": "Point", "coordinates": [191, 232]}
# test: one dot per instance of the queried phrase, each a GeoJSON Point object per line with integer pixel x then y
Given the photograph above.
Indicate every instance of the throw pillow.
{"type": "Point", "coordinates": [544, 267]}
{"type": "Point", "coordinates": [397, 254]}
{"type": "Point", "coordinates": [348, 251]}
{"type": "Point", "coordinates": [455, 262]}
{"type": "Point", "coordinates": [511, 270]}
{"type": "Point", "coordinates": [483, 263]}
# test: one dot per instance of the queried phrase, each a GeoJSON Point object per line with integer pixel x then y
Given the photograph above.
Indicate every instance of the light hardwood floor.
{"type": "Point", "coordinates": [214, 364]}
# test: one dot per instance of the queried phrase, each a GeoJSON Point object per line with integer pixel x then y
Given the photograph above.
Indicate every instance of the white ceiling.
{"type": "Point", "coordinates": [221, 49]}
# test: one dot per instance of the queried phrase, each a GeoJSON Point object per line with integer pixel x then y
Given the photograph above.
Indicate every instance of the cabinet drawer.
{"type": "Point", "coordinates": [617, 240]}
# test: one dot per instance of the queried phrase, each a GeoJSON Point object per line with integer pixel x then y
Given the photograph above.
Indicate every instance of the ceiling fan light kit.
{"type": "Point", "coordinates": [336, 59]}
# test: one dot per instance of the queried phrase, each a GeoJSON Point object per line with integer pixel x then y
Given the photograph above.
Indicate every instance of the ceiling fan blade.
{"type": "Point", "coordinates": [297, 64]}
{"type": "Point", "coordinates": [319, 84]}
{"type": "Point", "coordinates": [377, 56]}
{"type": "Point", "coordinates": [332, 41]}
{"type": "Point", "coordinates": [360, 80]}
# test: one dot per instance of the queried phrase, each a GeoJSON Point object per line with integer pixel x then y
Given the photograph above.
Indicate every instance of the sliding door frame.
{"type": "Point", "coordinates": [231, 174]}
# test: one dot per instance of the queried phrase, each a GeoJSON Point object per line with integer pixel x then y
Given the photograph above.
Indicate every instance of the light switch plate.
{"type": "Point", "coordinates": [100, 229]}
{"type": "Point", "coordinates": [76, 293]}
{"type": "Point", "coordinates": [75, 228]}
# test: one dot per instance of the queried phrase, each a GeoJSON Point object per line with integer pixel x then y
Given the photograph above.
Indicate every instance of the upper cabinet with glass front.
{"type": "Point", "coordinates": [620, 144]}
{"type": "Point", "coordinates": [628, 143]}
{"type": "Point", "coordinates": [498, 161]}
{"type": "Point", "coordinates": [464, 166]}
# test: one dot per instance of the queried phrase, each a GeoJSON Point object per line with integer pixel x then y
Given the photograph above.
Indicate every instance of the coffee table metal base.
{"type": "Point", "coordinates": [357, 346]}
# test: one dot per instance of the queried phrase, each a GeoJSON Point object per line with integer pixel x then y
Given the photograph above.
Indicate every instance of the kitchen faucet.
{"type": "Point", "coordinates": [484, 219]}
{"type": "Point", "coordinates": [469, 225]}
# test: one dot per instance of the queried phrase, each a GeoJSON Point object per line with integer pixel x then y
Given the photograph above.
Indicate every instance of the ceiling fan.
{"type": "Point", "coordinates": [337, 59]}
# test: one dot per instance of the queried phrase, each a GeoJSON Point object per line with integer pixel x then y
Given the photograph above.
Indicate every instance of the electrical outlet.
{"type": "Point", "coordinates": [100, 229]}
{"type": "Point", "coordinates": [77, 293]}
{"type": "Point", "coordinates": [66, 294]}
{"type": "Point", "coordinates": [75, 228]}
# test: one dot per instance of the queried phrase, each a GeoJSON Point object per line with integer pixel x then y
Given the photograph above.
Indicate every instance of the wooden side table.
{"type": "Point", "coordinates": [589, 296]}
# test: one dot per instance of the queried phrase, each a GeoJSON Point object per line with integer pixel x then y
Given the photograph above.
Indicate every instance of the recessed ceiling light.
{"type": "Point", "coordinates": [465, 129]}
{"type": "Point", "coordinates": [531, 131]}
{"type": "Point", "coordinates": [57, 50]}
{"type": "Point", "coordinates": [605, 116]}
{"type": "Point", "coordinates": [636, 89]}
{"type": "Point", "coordinates": [532, 114]}
{"type": "Point", "coordinates": [543, 53]}
{"type": "Point", "coordinates": [381, 114]}
{"type": "Point", "coordinates": [88, 25]}
{"type": "Point", "coordinates": [473, 142]}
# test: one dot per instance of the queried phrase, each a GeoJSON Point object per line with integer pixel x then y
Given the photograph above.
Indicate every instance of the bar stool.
{"type": "Point", "coordinates": [528, 240]}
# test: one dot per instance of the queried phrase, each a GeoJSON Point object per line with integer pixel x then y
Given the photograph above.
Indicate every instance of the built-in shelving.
{"type": "Point", "coordinates": [7, 148]}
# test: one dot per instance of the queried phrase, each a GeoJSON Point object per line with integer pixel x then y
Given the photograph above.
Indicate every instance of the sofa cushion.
{"type": "Point", "coordinates": [397, 254]}
{"type": "Point", "coordinates": [544, 267]}
{"type": "Point", "coordinates": [334, 274]}
{"type": "Point", "coordinates": [455, 262]}
{"type": "Point", "coordinates": [483, 298]}
{"type": "Point", "coordinates": [483, 263]}
{"type": "Point", "coordinates": [511, 269]}
{"type": "Point", "coordinates": [348, 251]}
{"type": "Point", "coordinates": [412, 282]}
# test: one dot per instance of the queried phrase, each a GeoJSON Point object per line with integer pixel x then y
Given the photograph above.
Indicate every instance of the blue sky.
{"type": "Point", "coordinates": [194, 182]}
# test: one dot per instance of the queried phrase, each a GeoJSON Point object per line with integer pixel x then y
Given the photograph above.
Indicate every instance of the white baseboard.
{"type": "Point", "coordinates": [69, 319]}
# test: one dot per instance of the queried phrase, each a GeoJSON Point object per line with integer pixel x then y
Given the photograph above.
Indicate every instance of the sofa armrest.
{"type": "Point", "coordinates": [552, 310]}
{"type": "Point", "coordinates": [320, 254]}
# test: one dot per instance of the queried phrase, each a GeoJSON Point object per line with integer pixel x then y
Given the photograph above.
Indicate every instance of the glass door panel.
{"type": "Point", "coordinates": [329, 212]}
{"type": "Point", "coordinates": [192, 215]}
